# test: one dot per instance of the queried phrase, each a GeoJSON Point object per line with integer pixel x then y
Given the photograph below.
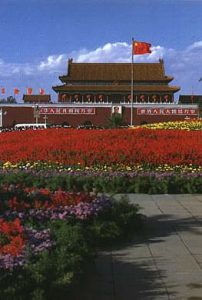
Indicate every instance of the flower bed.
{"type": "Point", "coordinates": [70, 147]}
{"type": "Point", "coordinates": [96, 159]}
{"type": "Point", "coordinates": [51, 217]}
{"type": "Point", "coordinates": [182, 125]}
{"type": "Point", "coordinates": [150, 182]}
{"type": "Point", "coordinates": [46, 237]}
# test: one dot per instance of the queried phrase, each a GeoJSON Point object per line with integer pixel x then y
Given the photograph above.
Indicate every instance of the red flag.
{"type": "Point", "coordinates": [141, 48]}
{"type": "Point", "coordinates": [41, 91]}
{"type": "Point", "coordinates": [29, 91]}
{"type": "Point", "coordinates": [3, 90]}
{"type": "Point", "coordinates": [16, 91]}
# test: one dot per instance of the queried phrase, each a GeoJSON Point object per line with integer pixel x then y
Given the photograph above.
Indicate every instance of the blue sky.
{"type": "Point", "coordinates": [38, 37]}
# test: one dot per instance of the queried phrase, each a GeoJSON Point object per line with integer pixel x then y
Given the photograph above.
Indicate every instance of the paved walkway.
{"type": "Point", "coordinates": [164, 263]}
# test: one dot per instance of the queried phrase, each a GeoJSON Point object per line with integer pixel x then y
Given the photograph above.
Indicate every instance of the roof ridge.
{"type": "Point", "coordinates": [116, 63]}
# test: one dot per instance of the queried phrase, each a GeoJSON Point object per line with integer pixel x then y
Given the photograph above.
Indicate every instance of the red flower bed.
{"type": "Point", "coordinates": [11, 237]}
{"type": "Point", "coordinates": [93, 147]}
{"type": "Point", "coordinates": [45, 199]}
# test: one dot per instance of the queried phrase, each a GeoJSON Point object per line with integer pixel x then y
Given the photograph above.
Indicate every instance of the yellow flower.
{"type": "Point", "coordinates": [128, 168]}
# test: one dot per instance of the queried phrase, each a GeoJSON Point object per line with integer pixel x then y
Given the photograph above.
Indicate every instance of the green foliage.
{"type": "Point", "coordinates": [119, 222]}
{"type": "Point", "coordinates": [117, 184]}
{"type": "Point", "coordinates": [9, 99]}
{"type": "Point", "coordinates": [116, 120]}
{"type": "Point", "coordinates": [52, 274]}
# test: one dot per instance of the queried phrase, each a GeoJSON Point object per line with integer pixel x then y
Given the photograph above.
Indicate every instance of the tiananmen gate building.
{"type": "Point", "coordinates": [111, 82]}
{"type": "Point", "coordinates": [92, 92]}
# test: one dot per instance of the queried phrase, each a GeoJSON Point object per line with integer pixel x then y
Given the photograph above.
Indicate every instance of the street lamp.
{"type": "Point", "coordinates": [36, 113]}
{"type": "Point", "coordinates": [45, 119]}
{"type": "Point", "coordinates": [2, 114]}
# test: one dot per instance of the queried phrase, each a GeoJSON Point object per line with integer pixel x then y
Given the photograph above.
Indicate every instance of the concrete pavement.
{"type": "Point", "coordinates": [165, 262]}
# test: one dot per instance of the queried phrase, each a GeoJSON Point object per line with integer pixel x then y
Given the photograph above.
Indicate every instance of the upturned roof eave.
{"type": "Point", "coordinates": [115, 88]}
{"type": "Point", "coordinates": [66, 78]}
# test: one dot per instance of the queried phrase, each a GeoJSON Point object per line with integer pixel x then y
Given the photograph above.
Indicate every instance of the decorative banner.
{"type": "Point", "coordinates": [67, 110]}
{"type": "Point", "coordinates": [167, 111]}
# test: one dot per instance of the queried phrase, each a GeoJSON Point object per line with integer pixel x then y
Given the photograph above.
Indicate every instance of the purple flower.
{"type": "Point", "coordinates": [36, 242]}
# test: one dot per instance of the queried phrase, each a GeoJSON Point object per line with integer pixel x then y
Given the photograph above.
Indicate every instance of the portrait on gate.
{"type": "Point", "coordinates": [117, 109]}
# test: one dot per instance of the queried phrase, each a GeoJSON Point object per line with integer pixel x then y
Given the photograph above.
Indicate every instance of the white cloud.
{"type": "Point", "coordinates": [10, 69]}
{"type": "Point", "coordinates": [52, 63]}
{"type": "Point", "coordinates": [196, 45]}
{"type": "Point", "coordinates": [110, 52]}
{"type": "Point", "coordinates": [184, 65]}
{"type": "Point", "coordinates": [120, 52]}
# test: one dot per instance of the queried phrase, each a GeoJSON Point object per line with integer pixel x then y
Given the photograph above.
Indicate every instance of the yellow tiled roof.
{"type": "Point", "coordinates": [115, 72]}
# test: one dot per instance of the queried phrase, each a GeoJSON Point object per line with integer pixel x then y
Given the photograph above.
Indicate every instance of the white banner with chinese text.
{"type": "Point", "coordinates": [167, 111]}
{"type": "Point", "coordinates": [67, 110]}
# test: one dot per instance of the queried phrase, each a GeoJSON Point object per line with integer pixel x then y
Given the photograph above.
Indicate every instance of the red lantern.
{"type": "Point", "coordinates": [76, 97]}
{"type": "Point", "coordinates": [64, 96]}
{"type": "Point", "coordinates": [88, 98]}
{"type": "Point", "coordinates": [166, 98]}
{"type": "Point", "coordinates": [100, 97]}
{"type": "Point", "coordinates": [154, 98]}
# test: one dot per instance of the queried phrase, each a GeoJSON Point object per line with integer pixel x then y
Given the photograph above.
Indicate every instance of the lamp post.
{"type": "Point", "coordinates": [45, 119]}
{"type": "Point", "coordinates": [36, 113]}
{"type": "Point", "coordinates": [1, 123]}
{"type": "Point", "coordinates": [2, 115]}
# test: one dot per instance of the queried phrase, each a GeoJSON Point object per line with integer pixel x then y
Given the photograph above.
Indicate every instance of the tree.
{"type": "Point", "coordinates": [116, 120]}
{"type": "Point", "coordinates": [9, 99]}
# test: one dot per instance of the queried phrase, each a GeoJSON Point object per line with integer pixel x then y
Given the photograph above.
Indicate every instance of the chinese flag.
{"type": "Point", "coordinates": [29, 91]}
{"type": "Point", "coordinates": [16, 91]}
{"type": "Point", "coordinates": [3, 90]}
{"type": "Point", "coordinates": [141, 48]}
{"type": "Point", "coordinates": [41, 91]}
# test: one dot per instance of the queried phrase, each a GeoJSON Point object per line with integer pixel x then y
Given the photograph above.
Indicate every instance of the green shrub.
{"type": "Point", "coordinates": [52, 273]}
{"type": "Point", "coordinates": [119, 222]}
{"type": "Point", "coordinates": [177, 183]}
